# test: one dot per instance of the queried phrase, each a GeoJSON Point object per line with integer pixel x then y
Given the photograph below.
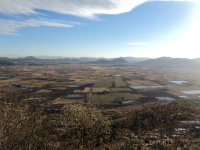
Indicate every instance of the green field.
{"type": "Point", "coordinates": [119, 82]}
{"type": "Point", "coordinates": [113, 97]}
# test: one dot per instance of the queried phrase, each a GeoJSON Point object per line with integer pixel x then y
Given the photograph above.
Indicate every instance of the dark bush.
{"type": "Point", "coordinates": [164, 117]}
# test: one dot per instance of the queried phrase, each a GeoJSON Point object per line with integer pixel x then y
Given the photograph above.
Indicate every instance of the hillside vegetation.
{"type": "Point", "coordinates": [80, 126]}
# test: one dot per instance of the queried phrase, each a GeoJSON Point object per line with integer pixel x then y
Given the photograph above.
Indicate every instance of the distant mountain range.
{"type": "Point", "coordinates": [165, 62]}
{"type": "Point", "coordinates": [5, 62]}
{"type": "Point", "coordinates": [30, 60]}
{"type": "Point", "coordinates": [115, 61]}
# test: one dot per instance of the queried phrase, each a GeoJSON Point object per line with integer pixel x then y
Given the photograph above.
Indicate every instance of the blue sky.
{"type": "Point", "coordinates": [99, 28]}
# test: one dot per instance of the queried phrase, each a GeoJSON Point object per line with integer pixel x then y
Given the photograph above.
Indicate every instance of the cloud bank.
{"type": "Point", "coordinates": [9, 27]}
{"type": "Point", "coordinates": [89, 9]}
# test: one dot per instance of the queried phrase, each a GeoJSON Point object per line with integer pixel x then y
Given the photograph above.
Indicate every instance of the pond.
{"type": "Point", "coordinates": [193, 122]}
{"type": "Point", "coordinates": [75, 96]}
{"type": "Point", "coordinates": [73, 86]}
{"type": "Point", "coordinates": [140, 87]}
{"type": "Point", "coordinates": [165, 98]}
{"type": "Point", "coordinates": [5, 77]}
{"type": "Point", "coordinates": [179, 81]}
{"type": "Point", "coordinates": [127, 102]}
{"type": "Point", "coordinates": [190, 92]}
{"type": "Point", "coordinates": [185, 97]}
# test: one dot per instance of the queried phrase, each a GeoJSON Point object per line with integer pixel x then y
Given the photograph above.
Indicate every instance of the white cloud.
{"type": "Point", "coordinates": [82, 8]}
{"type": "Point", "coordinates": [9, 27]}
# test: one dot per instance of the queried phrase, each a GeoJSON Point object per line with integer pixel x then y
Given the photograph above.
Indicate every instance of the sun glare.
{"type": "Point", "coordinates": [185, 44]}
{"type": "Point", "coordinates": [188, 43]}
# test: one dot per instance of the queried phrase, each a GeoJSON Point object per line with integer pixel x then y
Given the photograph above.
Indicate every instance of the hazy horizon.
{"type": "Point", "coordinates": [74, 57]}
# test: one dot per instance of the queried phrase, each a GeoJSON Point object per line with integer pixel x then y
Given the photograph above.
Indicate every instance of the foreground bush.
{"type": "Point", "coordinates": [85, 127]}
{"type": "Point", "coordinates": [21, 129]}
{"type": "Point", "coordinates": [78, 127]}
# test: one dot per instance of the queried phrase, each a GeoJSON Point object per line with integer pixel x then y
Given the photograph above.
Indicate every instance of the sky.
{"type": "Point", "coordinates": [100, 28]}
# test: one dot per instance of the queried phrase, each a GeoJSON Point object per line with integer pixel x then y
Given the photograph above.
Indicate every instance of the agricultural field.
{"type": "Point", "coordinates": [109, 83]}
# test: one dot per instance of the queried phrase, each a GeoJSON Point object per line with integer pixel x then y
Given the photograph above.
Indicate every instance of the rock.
{"type": "Point", "coordinates": [135, 141]}
{"type": "Point", "coordinates": [125, 139]}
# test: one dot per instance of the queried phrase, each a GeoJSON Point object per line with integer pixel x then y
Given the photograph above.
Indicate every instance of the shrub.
{"type": "Point", "coordinates": [10, 96]}
{"type": "Point", "coordinates": [85, 127]}
{"type": "Point", "coordinates": [164, 117]}
{"type": "Point", "coordinates": [21, 129]}
{"type": "Point", "coordinates": [144, 120]}
{"type": "Point", "coordinates": [77, 127]}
